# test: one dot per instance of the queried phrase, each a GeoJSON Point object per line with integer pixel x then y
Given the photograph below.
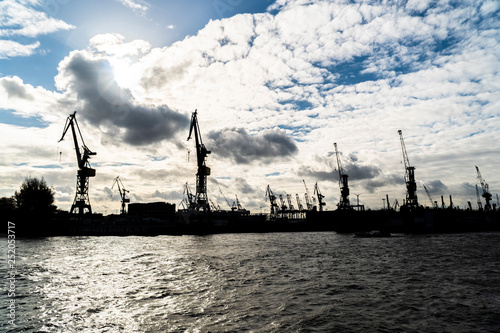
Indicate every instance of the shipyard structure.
{"type": "Point", "coordinates": [198, 214]}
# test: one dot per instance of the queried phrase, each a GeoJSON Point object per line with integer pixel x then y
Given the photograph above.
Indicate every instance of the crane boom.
{"type": "Point", "coordinates": [411, 185]}
{"type": "Point", "coordinates": [203, 170]}
{"type": "Point", "coordinates": [81, 201]}
{"type": "Point", "coordinates": [486, 190]}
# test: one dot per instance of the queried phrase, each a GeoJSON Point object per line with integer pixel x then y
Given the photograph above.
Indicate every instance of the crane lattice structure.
{"type": "Point", "coordinates": [201, 198]}
{"type": "Point", "coordinates": [486, 190]}
{"type": "Point", "coordinates": [343, 183]}
{"type": "Point", "coordinates": [82, 201]}
{"type": "Point", "coordinates": [411, 185]}
{"type": "Point", "coordinates": [123, 192]}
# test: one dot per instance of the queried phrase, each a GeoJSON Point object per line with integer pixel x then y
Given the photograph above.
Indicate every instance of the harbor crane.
{"type": "Point", "coordinates": [272, 201]}
{"type": "Point", "coordinates": [123, 192]}
{"type": "Point", "coordinates": [433, 203]}
{"type": "Point", "coordinates": [479, 203]}
{"type": "Point", "coordinates": [289, 199]}
{"type": "Point", "coordinates": [283, 204]}
{"type": "Point", "coordinates": [411, 185]}
{"type": "Point", "coordinates": [82, 201]}
{"type": "Point", "coordinates": [486, 190]}
{"type": "Point", "coordinates": [201, 199]}
{"type": "Point", "coordinates": [299, 204]}
{"type": "Point", "coordinates": [317, 192]}
{"type": "Point", "coordinates": [233, 206]}
{"type": "Point", "coordinates": [343, 183]}
{"type": "Point", "coordinates": [307, 197]}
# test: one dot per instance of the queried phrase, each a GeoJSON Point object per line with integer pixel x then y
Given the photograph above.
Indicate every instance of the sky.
{"type": "Point", "coordinates": [275, 83]}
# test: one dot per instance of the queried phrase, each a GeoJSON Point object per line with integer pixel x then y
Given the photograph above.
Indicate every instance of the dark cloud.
{"type": "Point", "coordinates": [243, 148]}
{"type": "Point", "coordinates": [358, 172]}
{"type": "Point", "coordinates": [376, 183]}
{"type": "Point", "coordinates": [355, 172]}
{"type": "Point", "coordinates": [158, 76]}
{"type": "Point", "coordinates": [243, 187]}
{"type": "Point", "coordinates": [104, 102]}
{"type": "Point", "coordinates": [318, 175]}
{"type": "Point", "coordinates": [15, 89]}
{"type": "Point", "coordinates": [436, 187]}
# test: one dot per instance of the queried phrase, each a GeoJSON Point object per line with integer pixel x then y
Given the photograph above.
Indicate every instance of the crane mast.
{"type": "Point", "coordinates": [203, 170]}
{"type": "Point", "coordinates": [486, 190]}
{"type": "Point", "coordinates": [81, 201]}
{"type": "Point", "coordinates": [343, 183]}
{"type": "Point", "coordinates": [123, 192]}
{"type": "Point", "coordinates": [411, 185]}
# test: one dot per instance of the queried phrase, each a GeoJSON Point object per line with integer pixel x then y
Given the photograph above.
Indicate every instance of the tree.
{"type": "Point", "coordinates": [7, 208]}
{"type": "Point", "coordinates": [35, 198]}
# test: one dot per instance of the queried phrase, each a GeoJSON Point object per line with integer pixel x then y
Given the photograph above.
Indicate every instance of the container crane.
{"type": "Point", "coordinates": [411, 185]}
{"type": "Point", "coordinates": [486, 190]}
{"type": "Point", "coordinates": [201, 202]}
{"type": "Point", "coordinates": [343, 183]}
{"type": "Point", "coordinates": [123, 192]}
{"type": "Point", "coordinates": [317, 192]}
{"type": "Point", "coordinates": [82, 201]}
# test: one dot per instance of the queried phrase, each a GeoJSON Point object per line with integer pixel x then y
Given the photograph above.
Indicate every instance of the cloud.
{"type": "Point", "coordinates": [9, 49]}
{"type": "Point", "coordinates": [137, 6]}
{"type": "Point", "coordinates": [15, 88]}
{"type": "Point", "coordinates": [20, 19]}
{"type": "Point", "coordinates": [103, 102]}
{"type": "Point", "coordinates": [243, 148]}
{"type": "Point", "coordinates": [113, 44]}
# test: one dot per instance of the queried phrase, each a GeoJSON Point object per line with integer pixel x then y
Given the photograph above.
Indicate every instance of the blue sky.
{"type": "Point", "coordinates": [276, 83]}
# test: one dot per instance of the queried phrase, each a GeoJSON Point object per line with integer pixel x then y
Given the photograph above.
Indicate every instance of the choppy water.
{"type": "Point", "coordinates": [280, 282]}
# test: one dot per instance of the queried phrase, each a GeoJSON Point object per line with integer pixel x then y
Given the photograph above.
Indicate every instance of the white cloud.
{"type": "Point", "coordinates": [28, 22]}
{"type": "Point", "coordinates": [137, 6]}
{"type": "Point", "coordinates": [21, 19]}
{"type": "Point", "coordinates": [9, 49]}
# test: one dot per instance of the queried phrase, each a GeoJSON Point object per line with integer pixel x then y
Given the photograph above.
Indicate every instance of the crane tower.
{"type": "Point", "coordinates": [411, 185]}
{"type": "Point", "coordinates": [203, 171]}
{"type": "Point", "coordinates": [82, 201]}
{"type": "Point", "coordinates": [343, 183]}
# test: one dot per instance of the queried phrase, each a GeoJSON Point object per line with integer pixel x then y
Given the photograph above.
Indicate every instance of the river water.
{"type": "Point", "coordinates": [276, 282]}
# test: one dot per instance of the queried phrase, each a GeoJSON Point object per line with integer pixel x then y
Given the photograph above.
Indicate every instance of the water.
{"type": "Point", "coordinates": [278, 282]}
